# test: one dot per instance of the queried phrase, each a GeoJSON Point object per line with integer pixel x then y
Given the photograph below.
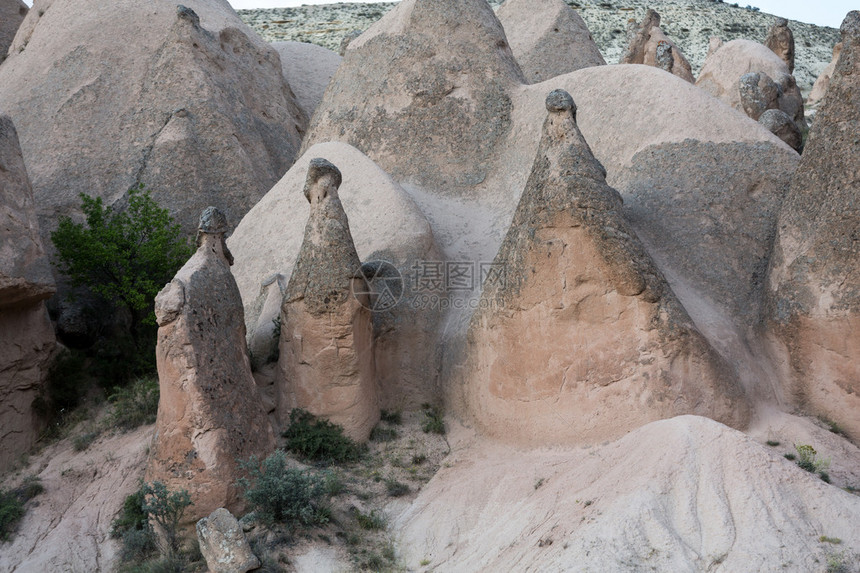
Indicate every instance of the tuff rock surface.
{"type": "Point", "coordinates": [27, 340]}
{"type": "Point", "coordinates": [195, 107]}
{"type": "Point", "coordinates": [780, 40]}
{"type": "Point", "coordinates": [209, 412]}
{"type": "Point", "coordinates": [326, 344]}
{"type": "Point", "coordinates": [548, 38]}
{"type": "Point", "coordinates": [610, 347]}
{"type": "Point", "coordinates": [814, 277]}
{"type": "Point", "coordinates": [12, 13]}
{"type": "Point", "coordinates": [307, 69]}
{"type": "Point", "coordinates": [223, 544]}
{"type": "Point", "coordinates": [819, 89]}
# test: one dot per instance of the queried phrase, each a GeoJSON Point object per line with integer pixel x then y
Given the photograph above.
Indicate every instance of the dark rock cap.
{"type": "Point", "coordinates": [560, 100]}
{"type": "Point", "coordinates": [317, 169]}
{"type": "Point", "coordinates": [850, 27]}
{"type": "Point", "coordinates": [212, 221]}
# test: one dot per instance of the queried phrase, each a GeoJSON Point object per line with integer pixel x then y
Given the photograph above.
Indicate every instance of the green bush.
{"type": "Point", "coordinates": [396, 488]}
{"type": "Point", "coordinates": [123, 256]}
{"type": "Point", "coordinates": [434, 420]}
{"type": "Point", "coordinates": [84, 441]}
{"type": "Point", "coordinates": [131, 517]}
{"type": "Point", "coordinates": [391, 417]}
{"type": "Point", "coordinates": [279, 494]}
{"type": "Point", "coordinates": [12, 505]}
{"type": "Point", "coordinates": [372, 521]}
{"type": "Point", "coordinates": [134, 405]}
{"type": "Point", "coordinates": [166, 508]}
{"type": "Point", "coordinates": [383, 434]}
{"type": "Point", "coordinates": [318, 439]}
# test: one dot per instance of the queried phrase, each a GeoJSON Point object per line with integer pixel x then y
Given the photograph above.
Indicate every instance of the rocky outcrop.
{"type": "Point", "coordinates": [196, 107]}
{"type": "Point", "coordinates": [548, 38]}
{"type": "Point", "coordinates": [326, 346]}
{"type": "Point", "coordinates": [758, 93]}
{"type": "Point", "coordinates": [223, 544]}
{"type": "Point", "coordinates": [26, 338]}
{"type": "Point", "coordinates": [209, 412]}
{"type": "Point", "coordinates": [778, 123]}
{"type": "Point", "coordinates": [819, 89]}
{"type": "Point", "coordinates": [609, 346]}
{"type": "Point", "coordinates": [647, 44]}
{"type": "Point", "coordinates": [267, 244]}
{"type": "Point", "coordinates": [780, 40]}
{"type": "Point", "coordinates": [814, 278]}
{"type": "Point", "coordinates": [307, 69]}
{"type": "Point", "coordinates": [12, 13]}
{"type": "Point", "coordinates": [432, 113]}
{"type": "Point", "coordinates": [721, 75]}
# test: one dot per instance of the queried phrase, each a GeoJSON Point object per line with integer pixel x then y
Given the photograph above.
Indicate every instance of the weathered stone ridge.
{"type": "Point", "coordinates": [209, 413]}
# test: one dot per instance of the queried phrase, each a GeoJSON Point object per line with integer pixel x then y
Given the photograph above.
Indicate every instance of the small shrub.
{"type": "Point", "coordinates": [394, 418]}
{"type": "Point", "coordinates": [137, 545]}
{"type": "Point", "coordinates": [807, 459]}
{"type": "Point", "coordinates": [418, 459]}
{"type": "Point", "coordinates": [396, 488]}
{"type": "Point", "coordinates": [371, 521]}
{"type": "Point", "coordinates": [131, 516]}
{"type": "Point", "coordinates": [334, 485]}
{"type": "Point", "coordinates": [279, 494]}
{"type": "Point", "coordinates": [539, 483]}
{"type": "Point", "coordinates": [134, 405]}
{"type": "Point", "coordinates": [833, 540]}
{"type": "Point", "coordinates": [12, 505]}
{"type": "Point", "coordinates": [772, 443]}
{"type": "Point", "coordinates": [166, 508]}
{"type": "Point", "coordinates": [318, 439]}
{"type": "Point", "coordinates": [381, 434]}
{"type": "Point", "coordinates": [84, 441]}
{"type": "Point", "coordinates": [825, 477]}
{"type": "Point", "coordinates": [434, 420]}
{"type": "Point", "coordinates": [790, 457]}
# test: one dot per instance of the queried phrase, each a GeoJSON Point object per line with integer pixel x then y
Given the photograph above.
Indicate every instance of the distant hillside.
{"type": "Point", "coordinates": [689, 23]}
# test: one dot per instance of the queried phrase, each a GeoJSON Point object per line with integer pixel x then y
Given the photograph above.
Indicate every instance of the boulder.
{"type": "Point", "coordinates": [778, 123]}
{"type": "Point", "coordinates": [434, 110]}
{"type": "Point", "coordinates": [758, 93]}
{"type": "Point", "coordinates": [780, 40]}
{"type": "Point", "coordinates": [609, 348]}
{"type": "Point", "coordinates": [723, 69]}
{"type": "Point", "coordinates": [27, 340]}
{"type": "Point", "coordinates": [386, 225]}
{"type": "Point", "coordinates": [12, 13]}
{"type": "Point", "coordinates": [223, 544]}
{"type": "Point", "coordinates": [647, 44]}
{"type": "Point", "coordinates": [307, 68]}
{"type": "Point", "coordinates": [326, 347]}
{"type": "Point", "coordinates": [814, 277]}
{"type": "Point", "coordinates": [548, 38]}
{"type": "Point", "coordinates": [209, 412]}
{"type": "Point", "coordinates": [819, 89]}
{"type": "Point", "coordinates": [186, 100]}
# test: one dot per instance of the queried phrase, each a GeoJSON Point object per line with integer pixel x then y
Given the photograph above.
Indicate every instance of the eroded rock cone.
{"type": "Point", "coordinates": [26, 337]}
{"type": "Point", "coordinates": [12, 13]}
{"type": "Point", "coordinates": [434, 109]}
{"type": "Point", "coordinates": [823, 80]}
{"type": "Point", "coordinates": [814, 278]}
{"type": "Point", "coordinates": [647, 44]}
{"type": "Point", "coordinates": [548, 38]}
{"type": "Point", "coordinates": [326, 342]}
{"type": "Point", "coordinates": [607, 345]}
{"type": "Point", "coordinates": [195, 107]}
{"type": "Point", "coordinates": [780, 40]}
{"type": "Point", "coordinates": [209, 412]}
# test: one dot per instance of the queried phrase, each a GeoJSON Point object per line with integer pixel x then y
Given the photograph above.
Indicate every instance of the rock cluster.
{"type": "Point", "coordinates": [26, 337]}
{"type": "Point", "coordinates": [209, 412]}
{"type": "Point", "coordinates": [647, 44]}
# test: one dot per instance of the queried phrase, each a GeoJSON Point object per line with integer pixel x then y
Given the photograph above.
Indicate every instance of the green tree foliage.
{"type": "Point", "coordinates": [166, 508]}
{"type": "Point", "coordinates": [125, 256]}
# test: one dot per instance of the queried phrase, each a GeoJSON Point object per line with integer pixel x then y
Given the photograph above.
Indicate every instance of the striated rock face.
{"type": "Point", "coordinates": [307, 69]}
{"type": "Point", "coordinates": [431, 113]}
{"type": "Point", "coordinates": [780, 40]}
{"type": "Point", "coordinates": [268, 240]}
{"type": "Point", "coordinates": [609, 347]}
{"type": "Point", "coordinates": [26, 337]}
{"type": "Point", "coordinates": [819, 89]}
{"type": "Point", "coordinates": [195, 107]}
{"type": "Point", "coordinates": [548, 38]}
{"type": "Point", "coordinates": [647, 44]}
{"type": "Point", "coordinates": [12, 13]}
{"type": "Point", "coordinates": [326, 347]}
{"type": "Point", "coordinates": [223, 544]}
{"type": "Point", "coordinates": [723, 69]}
{"type": "Point", "coordinates": [209, 412]}
{"type": "Point", "coordinates": [814, 279]}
